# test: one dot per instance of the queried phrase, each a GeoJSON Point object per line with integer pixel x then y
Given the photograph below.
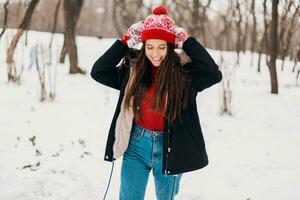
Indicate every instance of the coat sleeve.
{"type": "Point", "coordinates": [105, 69]}
{"type": "Point", "coordinates": [204, 71]}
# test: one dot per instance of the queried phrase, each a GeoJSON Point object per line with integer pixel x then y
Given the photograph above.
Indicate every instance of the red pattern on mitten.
{"type": "Point", "coordinates": [133, 35]}
{"type": "Point", "coordinates": [181, 36]}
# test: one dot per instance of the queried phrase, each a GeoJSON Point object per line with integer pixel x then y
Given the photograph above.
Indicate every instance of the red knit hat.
{"type": "Point", "coordinates": [159, 25]}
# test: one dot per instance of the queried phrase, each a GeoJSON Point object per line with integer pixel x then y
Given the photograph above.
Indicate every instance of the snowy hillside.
{"type": "Point", "coordinates": [54, 150]}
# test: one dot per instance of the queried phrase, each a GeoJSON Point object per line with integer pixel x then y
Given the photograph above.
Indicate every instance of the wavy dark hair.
{"type": "Point", "coordinates": [171, 81]}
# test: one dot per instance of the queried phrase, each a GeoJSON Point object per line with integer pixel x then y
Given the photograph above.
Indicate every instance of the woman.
{"type": "Point", "coordinates": [156, 125]}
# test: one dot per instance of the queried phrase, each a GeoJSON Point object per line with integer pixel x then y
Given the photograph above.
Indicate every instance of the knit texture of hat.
{"type": "Point", "coordinates": [159, 25]}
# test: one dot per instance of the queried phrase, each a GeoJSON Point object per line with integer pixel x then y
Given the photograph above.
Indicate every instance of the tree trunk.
{"type": "Point", "coordinates": [5, 18]}
{"type": "Point", "coordinates": [259, 59]}
{"type": "Point", "coordinates": [63, 51]}
{"type": "Point", "coordinates": [195, 17]}
{"type": "Point", "coordinates": [204, 21]}
{"type": "Point", "coordinates": [54, 22]}
{"type": "Point", "coordinates": [245, 36]}
{"type": "Point", "coordinates": [253, 35]}
{"type": "Point", "coordinates": [286, 43]}
{"type": "Point", "coordinates": [283, 27]}
{"type": "Point", "coordinates": [71, 11]}
{"type": "Point", "coordinates": [297, 58]}
{"type": "Point", "coordinates": [239, 32]}
{"type": "Point", "coordinates": [273, 48]}
{"type": "Point", "coordinates": [23, 26]}
{"type": "Point", "coordinates": [264, 44]}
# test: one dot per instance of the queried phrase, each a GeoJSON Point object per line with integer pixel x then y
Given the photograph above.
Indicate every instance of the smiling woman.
{"type": "Point", "coordinates": [156, 109]}
{"type": "Point", "coordinates": [156, 51]}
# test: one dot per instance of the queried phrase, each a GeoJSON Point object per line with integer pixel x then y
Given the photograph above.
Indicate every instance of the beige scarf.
{"type": "Point", "coordinates": [124, 124]}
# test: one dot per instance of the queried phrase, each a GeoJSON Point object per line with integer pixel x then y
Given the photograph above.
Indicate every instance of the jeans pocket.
{"type": "Point", "coordinates": [136, 135]}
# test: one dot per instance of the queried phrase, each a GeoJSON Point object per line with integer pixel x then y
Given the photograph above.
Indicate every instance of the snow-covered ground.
{"type": "Point", "coordinates": [54, 150]}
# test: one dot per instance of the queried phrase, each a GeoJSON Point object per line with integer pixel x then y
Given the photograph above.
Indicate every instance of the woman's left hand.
{"type": "Point", "coordinates": [181, 36]}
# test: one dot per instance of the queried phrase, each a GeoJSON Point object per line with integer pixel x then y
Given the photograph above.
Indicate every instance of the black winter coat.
{"type": "Point", "coordinates": [184, 146]}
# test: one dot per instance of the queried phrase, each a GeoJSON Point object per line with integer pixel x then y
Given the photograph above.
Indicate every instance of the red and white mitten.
{"type": "Point", "coordinates": [132, 36]}
{"type": "Point", "coordinates": [181, 36]}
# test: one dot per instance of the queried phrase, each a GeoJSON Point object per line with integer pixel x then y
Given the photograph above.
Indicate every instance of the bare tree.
{"type": "Point", "coordinates": [115, 19]}
{"type": "Point", "coordinates": [53, 28]}
{"type": "Point", "coordinates": [63, 51]}
{"type": "Point", "coordinates": [64, 48]}
{"type": "Point", "coordinates": [5, 18]}
{"type": "Point", "coordinates": [296, 56]}
{"type": "Point", "coordinates": [223, 37]}
{"type": "Point", "coordinates": [273, 48]}
{"type": "Point", "coordinates": [47, 87]}
{"type": "Point", "coordinates": [192, 16]}
{"type": "Point", "coordinates": [264, 43]}
{"type": "Point", "coordinates": [195, 18]}
{"type": "Point", "coordinates": [54, 21]}
{"type": "Point", "coordinates": [125, 13]}
{"type": "Point", "coordinates": [71, 12]}
{"type": "Point", "coordinates": [23, 26]}
{"type": "Point", "coordinates": [254, 31]}
{"type": "Point", "coordinates": [199, 18]}
{"type": "Point", "coordinates": [238, 21]}
{"type": "Point", "coordinates": [246, 27]}
{"type": "Point", "coordinates": [285, 42]}
{"type": "Point", "coordinates": [298, 59]}
{"type": "Point", "coordinates": [283, 22]}
{"type": "Point", "coordinates": [226, 91]}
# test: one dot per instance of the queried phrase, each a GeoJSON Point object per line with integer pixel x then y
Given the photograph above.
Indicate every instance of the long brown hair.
{"type": "Point", "coordinates": [172, 81]}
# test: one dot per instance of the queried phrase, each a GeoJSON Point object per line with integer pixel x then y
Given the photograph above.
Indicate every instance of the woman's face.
{"type": "Point", "coordinates": [156, 50]}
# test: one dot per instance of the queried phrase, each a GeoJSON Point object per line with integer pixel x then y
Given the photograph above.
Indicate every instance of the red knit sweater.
{"type": "Point", "coordinates": [149, 119]}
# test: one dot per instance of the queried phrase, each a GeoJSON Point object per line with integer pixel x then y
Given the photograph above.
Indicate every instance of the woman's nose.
{"type": "Point", "coordinates": [156, 52]}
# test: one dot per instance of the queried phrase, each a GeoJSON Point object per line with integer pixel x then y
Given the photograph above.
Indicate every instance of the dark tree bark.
{"type": "Point", "coordinates": [286, 43]}
{"type": "Point", "coordinates": [195, 18]}
{"type": "Point", "coordinates": [125, 13]}
{"type": "Point", "coordinates": [273, 49]}
{"type": "Point", "coordinates": [5, 18]}
{"type": "Point", "coordinates": [63, 51]}
{"type": "Point", "coordinates": [115, 19]}
{"type": "Point", "coordinates": [223, 36]}
{"type": "Point", "coordinates": [283, 24]}
{"type": "Point", "coordinates": [239, 31]}
{"type": "Point", "coordinates": [71, 12]}
{"type": "Point", "coordinates": [54, 28]}
{"type": "Point", "coordinates": [23, 26]}
{"type": "Point", "coordinates": [245, 35]}
{"type": "Point", "coordinates": [203, 21]}
{"type": "Point", "coordinates": [264, 43]}
{"type": "Point", "coordinates": [297, 58]}
{"type": "Point", "coordinates": [254, 33]}
{"type": "Point", "coordinates": [54, 22]}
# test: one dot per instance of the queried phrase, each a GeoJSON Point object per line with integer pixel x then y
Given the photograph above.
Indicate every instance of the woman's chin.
{"type": "Point", "coordinates": [156, 64]}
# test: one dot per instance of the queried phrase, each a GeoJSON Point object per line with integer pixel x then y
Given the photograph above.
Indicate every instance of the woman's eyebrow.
{"type": "Point", "coordinates": [154, 45]}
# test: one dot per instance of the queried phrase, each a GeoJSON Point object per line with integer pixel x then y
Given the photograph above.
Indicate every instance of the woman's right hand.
{"type": "Point", "coordinates": [133, 34]}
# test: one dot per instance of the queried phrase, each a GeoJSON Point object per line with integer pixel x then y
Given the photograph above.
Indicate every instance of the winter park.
{"type": "Point", "coordinates": [56, 116]}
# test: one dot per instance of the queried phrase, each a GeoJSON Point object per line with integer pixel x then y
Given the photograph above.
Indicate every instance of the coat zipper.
{"type": "Point", "coordinates": [168, 151]}
{"type": "Point", "coordinates": [166, 170]}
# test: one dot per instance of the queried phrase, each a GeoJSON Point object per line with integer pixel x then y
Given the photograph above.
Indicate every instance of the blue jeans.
{"type": "Point", "coordinates": [145, 153]}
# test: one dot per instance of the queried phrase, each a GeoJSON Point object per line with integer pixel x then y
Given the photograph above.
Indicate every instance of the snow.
{"type": "Point", "coordinates": [253, 153]}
